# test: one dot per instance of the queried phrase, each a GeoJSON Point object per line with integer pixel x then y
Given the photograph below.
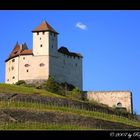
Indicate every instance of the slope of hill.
{"type": "Point", "coordinates": [30, 108]}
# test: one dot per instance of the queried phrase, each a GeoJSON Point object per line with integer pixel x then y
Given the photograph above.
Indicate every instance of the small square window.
{"type": "Point", "coordinates": [40, 38]}
{"type": "Point", "coordinates": [41, 45]}
{"type": "Point", "coordinates": [12, 68]}
{"type": "Point", "coordinates": [23, 58]}
{"type": "Point", "coordinates": [37, 33]}
{"type": "Point", "coordinates": [41, 64]}
{"type": "Point", "coordinates": [43, 33]}
{"type": "Point", "coordinates": [13, 77]}
{"type": "Point", "coordinates": [27, 70]}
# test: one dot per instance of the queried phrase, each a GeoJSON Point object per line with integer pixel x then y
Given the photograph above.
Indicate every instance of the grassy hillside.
{"type": "Point", "coordinates": [40, 109]}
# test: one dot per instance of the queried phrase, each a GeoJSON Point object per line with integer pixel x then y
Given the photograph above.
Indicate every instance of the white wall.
{"type": "Point", "coordinates": [34, 69]}
{"type": "Point", "coordinates": [12, 70]}
{"type": "Point", "coordinates": [41, 39]}
{"type": "Point", "coordinates": [111, 98]}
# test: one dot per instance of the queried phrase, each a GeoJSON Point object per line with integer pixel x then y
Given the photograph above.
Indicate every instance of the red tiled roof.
{"type": "Point", "coordinates": [16, 51]}
{"type": "Point", "coordinates": [19, 50]}
{"type": "Point", "coordinates": [44, 26]}
{"type": "Point", "coordinates": [27, 52]}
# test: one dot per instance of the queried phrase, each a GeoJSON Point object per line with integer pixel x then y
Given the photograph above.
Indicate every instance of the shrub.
{"type": "Point", "coordinates": [21, 82]}
{"type": "Point", "coordinates": [52, 86]}
{"type": "Point", "coordinates": [76, 93]}
{"type": "Point", "coordinates": [67, 87]}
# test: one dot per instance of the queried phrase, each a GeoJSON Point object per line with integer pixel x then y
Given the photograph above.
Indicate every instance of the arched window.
{"type": "Point", "coordinates": [41, 64]}
{"type": "Point", "coordinates": [26, 65]}
{"type": "Point", "coordinates": [119, 104]}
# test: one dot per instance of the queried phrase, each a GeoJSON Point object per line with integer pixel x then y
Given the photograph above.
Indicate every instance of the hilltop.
{"type": "Point", "coordinates": [30, 108]}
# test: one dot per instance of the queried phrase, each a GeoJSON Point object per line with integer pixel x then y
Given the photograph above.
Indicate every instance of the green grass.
{"type": "Point", "coordinates": [40, 126]}
{"type": "Point", "coordinates": [66, 110]}
{"type": "Point", "coordinates": [9, 88]}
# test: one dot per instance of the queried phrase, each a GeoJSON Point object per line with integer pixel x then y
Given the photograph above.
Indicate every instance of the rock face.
{"type": "Point", "coordinates": [112, 98]}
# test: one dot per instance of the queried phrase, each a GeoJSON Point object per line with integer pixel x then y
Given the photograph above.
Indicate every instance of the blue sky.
{"type": "Point", "coordinates": [108, 40]}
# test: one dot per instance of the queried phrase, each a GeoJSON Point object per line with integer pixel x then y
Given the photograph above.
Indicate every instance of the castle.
{"type": "Point", "coordinates": [44, 60]}
{"type": "Point", "coordinates": [47, 60]}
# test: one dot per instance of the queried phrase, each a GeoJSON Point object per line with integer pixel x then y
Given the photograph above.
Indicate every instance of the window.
{"type": "Point", "coordinates": [43, 33]}
{"type": "Point", "coordinates": [119, 104]}
{"type": "Point", "coordinates": [7, 79]}
{"type": "Point", "coordinates": [13, 60]}
{"type": "Point", "coordinates": [23, 58]}
{"type": "Point", "coordinates": [41, 45]}
{"type": "Point", "coordinates": [13, 77]}
{"type": "Point", "coordinates": [41, 64]}
{"type": "Point", "coordinates": [54, 35]}
{"type": "Point", "coordinates": [40, 38]}
{"type": "Point", "coordinates": [26, 65]}
{"type": "Point", "coordinates": [76, 64]}
{"type": "Point", "coordinates": [12, 68]}
{"type": "Point", "coordinates": [50, 33]}
{"type": "Point", "coordinates": [52, 46]}
{"type": "Point", "coordinates": [27, 70]}
{"type": "Point", "coordinates": [37, 33]}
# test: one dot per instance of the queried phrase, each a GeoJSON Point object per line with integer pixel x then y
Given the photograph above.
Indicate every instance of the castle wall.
{"type": "Point", "coordinates": [12, 70]}
{"type": "Point", "coordinates": [33, 67]}
{"type": "Point", "coordinates": [66, 68]}
{"type": "Point", "coordinates": [53, 44]}
{"type": "Point", "coordinates": [112, 98]}
{"type": "Point", "coordinates": [27, 67]}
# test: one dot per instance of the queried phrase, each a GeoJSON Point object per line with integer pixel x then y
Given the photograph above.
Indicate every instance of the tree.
{"type": "Point", "coordinates": [53, 86]}
{"type": "Point", "coordinates": [76, 93]}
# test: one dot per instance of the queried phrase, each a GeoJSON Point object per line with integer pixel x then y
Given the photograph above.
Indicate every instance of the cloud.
{"type": "Point", "coordinates": [81, 26]}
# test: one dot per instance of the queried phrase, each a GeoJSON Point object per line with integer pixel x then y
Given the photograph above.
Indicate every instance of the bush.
{"type": "Point", "coordinates": [53, 86]}
{"type": "Point", "coordinates": [21, 82]}
{"type": "Point", "coordinates": [76, 93]}
{"type": "Point", "coordinates": [67, 87]}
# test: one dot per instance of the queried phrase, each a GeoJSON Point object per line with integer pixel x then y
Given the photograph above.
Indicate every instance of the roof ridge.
{"type": "Point", "coordinates": [44, 26]}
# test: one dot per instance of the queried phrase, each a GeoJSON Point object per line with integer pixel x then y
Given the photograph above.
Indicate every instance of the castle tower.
{"type": "Point", "coordinates": [44, 40]}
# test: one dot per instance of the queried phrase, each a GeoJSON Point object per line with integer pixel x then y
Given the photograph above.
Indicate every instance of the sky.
{"type": "Point", "coordinates": [109, 41]}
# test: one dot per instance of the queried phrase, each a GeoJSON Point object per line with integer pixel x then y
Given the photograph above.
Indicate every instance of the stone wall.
{"type": "Point", "coordinates": [66, 68]}
{"type": "Point", "coordinates": [112, 98]}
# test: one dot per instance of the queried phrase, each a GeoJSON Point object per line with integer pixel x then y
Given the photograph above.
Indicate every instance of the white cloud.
{"type": "Point", "coordinates": [81, 26]}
